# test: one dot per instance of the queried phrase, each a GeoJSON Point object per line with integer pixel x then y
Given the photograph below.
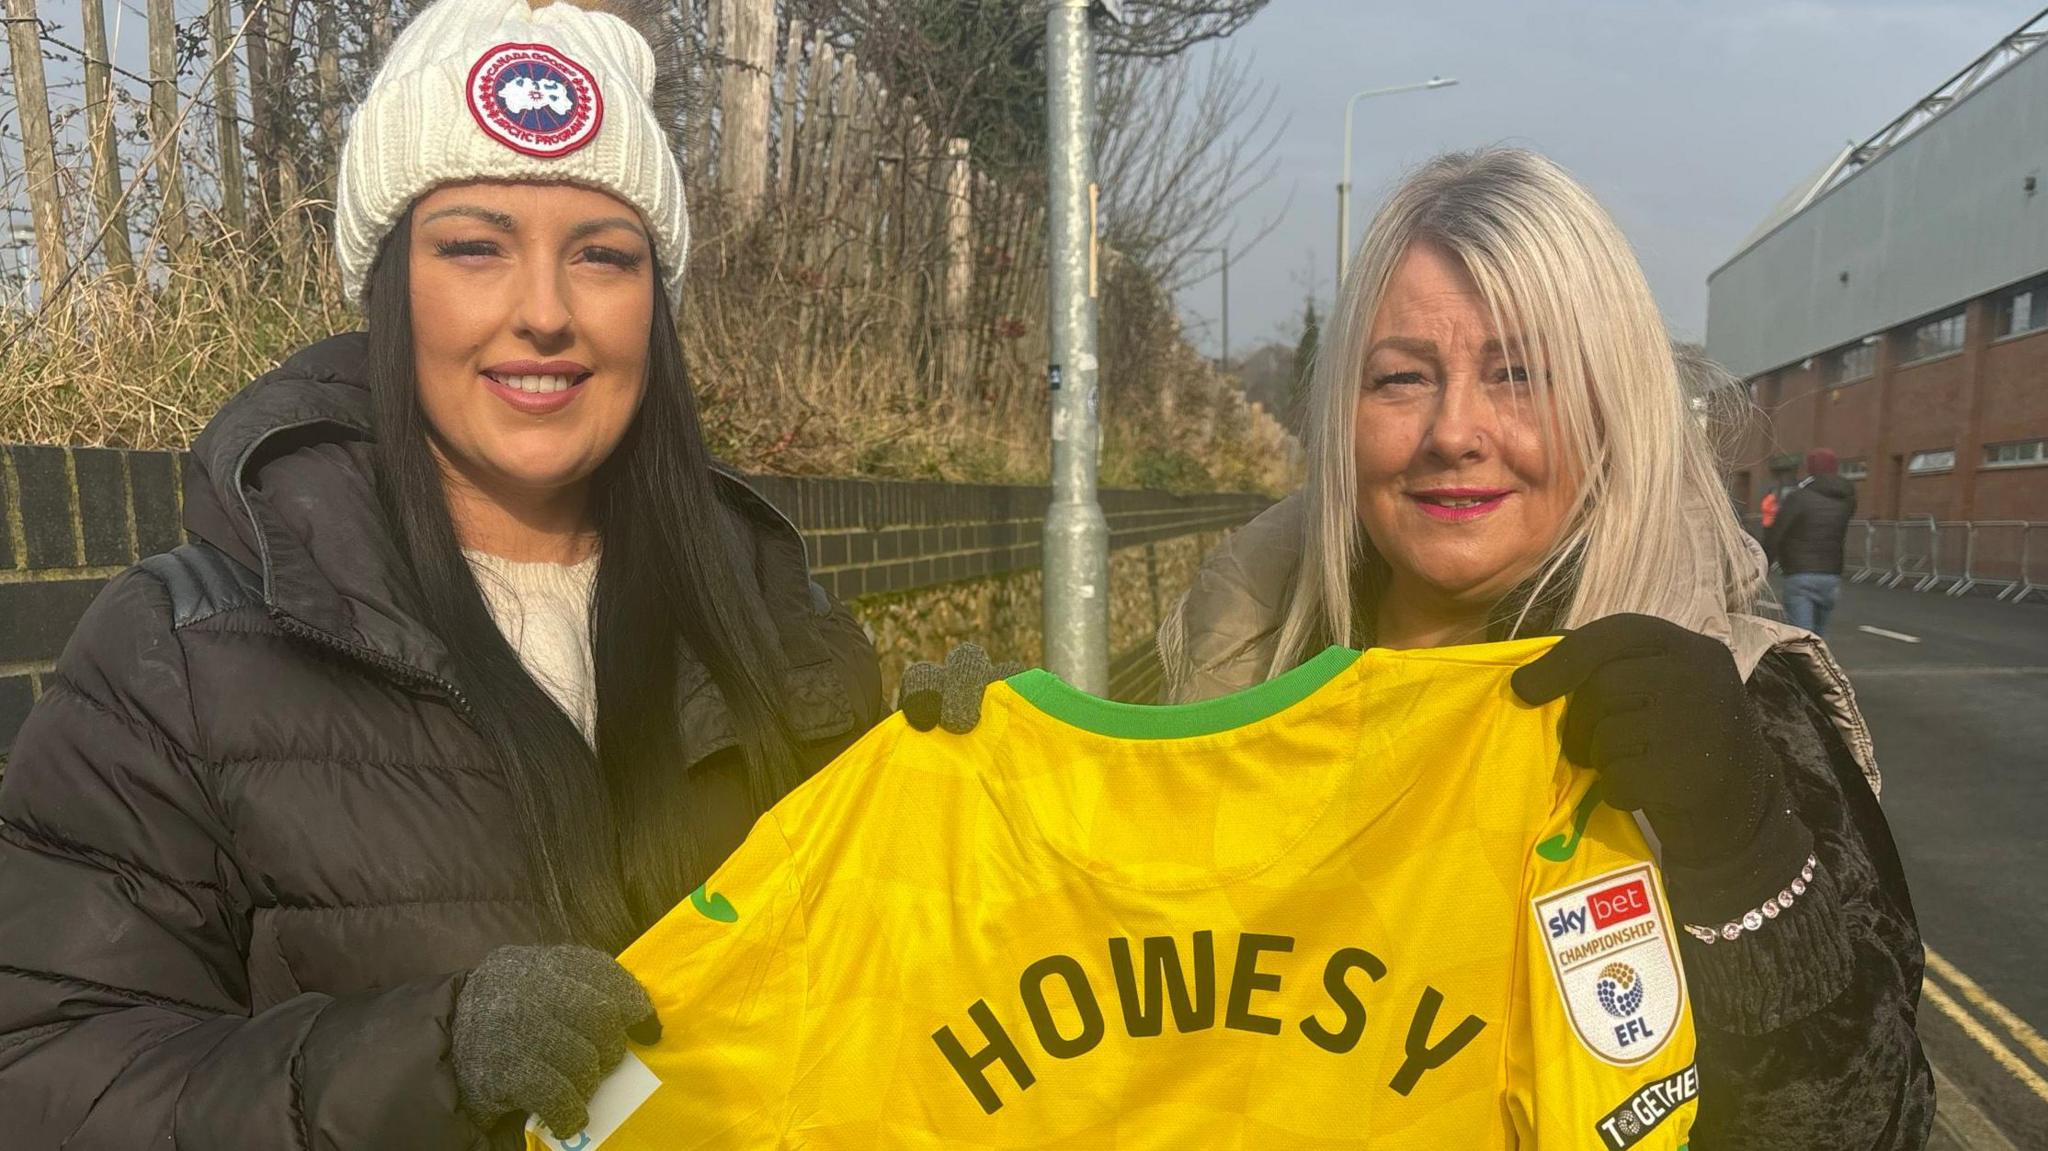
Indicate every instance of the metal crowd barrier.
{"type": "Point", "coordinates": [1954, 557]}
{"type": "Point", "coordinates": [1993, 557]}
{"type": "Point", "coordinates": [1947, 557]}
{"type": "Point", "coordinates": [1880, 548]}
{"type": "Point", "coordinates": [2033, 545]}
{"type": "Point", "coordinates": [1856, 551]}
{"type": "Point", "coordinates": [1912, 554]}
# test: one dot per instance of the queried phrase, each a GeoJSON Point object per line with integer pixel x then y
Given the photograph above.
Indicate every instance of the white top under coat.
{"type": "Point", "coordinates": [543, 609]}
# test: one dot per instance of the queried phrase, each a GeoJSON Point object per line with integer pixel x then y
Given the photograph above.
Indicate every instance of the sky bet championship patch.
{"type": "Point", "coordinates": [535, 100]}
{"type": "Point", "coordinates": [1617, 970]}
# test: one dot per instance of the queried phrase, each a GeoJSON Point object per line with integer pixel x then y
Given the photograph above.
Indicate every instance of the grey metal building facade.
{"type": "Point", "coordinates": [1894, 308]}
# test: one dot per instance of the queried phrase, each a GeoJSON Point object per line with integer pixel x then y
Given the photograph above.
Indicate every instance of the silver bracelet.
{"type": "Point", "coordinates": [1754, 918]}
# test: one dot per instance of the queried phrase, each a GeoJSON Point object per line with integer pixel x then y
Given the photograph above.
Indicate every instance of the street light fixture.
{"type": "Point", "coordinates": [1344, 185]}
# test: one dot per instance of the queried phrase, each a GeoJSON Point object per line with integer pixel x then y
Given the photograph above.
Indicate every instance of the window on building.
{"type": "Point", "coordinates": [2024, 309]}
{"type": "Point", "coordinates": [1931, 338]}
{"type": "Point", "coordinates": [1855, 469]}
{"type": "Point", "coordinates": [1847, 365]}
{"type": "Point", "coordinates": [1921, 463]}
{"type": "Point", "coordinates": [2018, 454]}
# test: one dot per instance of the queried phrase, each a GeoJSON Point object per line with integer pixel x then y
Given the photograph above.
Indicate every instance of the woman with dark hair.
{"type": "Point", "coordinates": [326, 826]}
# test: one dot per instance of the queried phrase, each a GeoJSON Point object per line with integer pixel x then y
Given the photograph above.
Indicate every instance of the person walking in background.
{"type": "Point", "coordinates": [1806, 541]}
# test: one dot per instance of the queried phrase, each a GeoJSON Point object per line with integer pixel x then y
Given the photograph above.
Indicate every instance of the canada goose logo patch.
{"type": "Point", "coordinates": [535, 100]}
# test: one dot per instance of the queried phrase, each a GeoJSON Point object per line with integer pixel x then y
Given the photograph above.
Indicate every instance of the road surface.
{"type": "Point", "coordinates": [1956, 692]}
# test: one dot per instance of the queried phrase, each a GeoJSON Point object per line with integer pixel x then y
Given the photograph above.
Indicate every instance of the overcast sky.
{"type": "Point", "coordinates": [1689, 120]}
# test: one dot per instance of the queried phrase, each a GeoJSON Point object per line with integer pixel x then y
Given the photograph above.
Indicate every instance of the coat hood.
{"type": "Point", "coordinates": [282, 480]}
{"type": "Point", "coordinates": [1830, 486]}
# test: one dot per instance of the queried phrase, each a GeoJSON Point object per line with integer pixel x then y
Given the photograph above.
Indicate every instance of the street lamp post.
{"type": "Point", "coordinates": [1076, 538]}
{"type": "Point", "coordinates": [1344, 184]}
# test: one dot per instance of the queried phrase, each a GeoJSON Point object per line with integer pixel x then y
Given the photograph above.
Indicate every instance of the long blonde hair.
{"type": "Point", "coordinates": [1651, 524]}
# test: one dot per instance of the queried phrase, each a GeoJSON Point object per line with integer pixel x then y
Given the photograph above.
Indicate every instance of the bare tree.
{"type": "Point", "coordinates": [276, 133]}
{"type": "Point", "coordinates": [106, 155]}
{"type": "Point", "coordinates": [263, 104]}
{"type": "Point", "coordinates": [38, 145]}
{"type": "Point", "coordinates": [973, 69]}
{"type": "Point", "coordinates": [1181, 146]}
{"type": "Point", "coordinates": [328, 67]}
{"type": "Point", "coordinates": [163, 124]}
{"type": "Point", "coordinates": [226, 111]}
{"type": "Point", "coordinates": [1156, 29]}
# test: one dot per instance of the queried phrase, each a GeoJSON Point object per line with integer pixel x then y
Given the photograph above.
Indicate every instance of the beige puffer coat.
{"type": "Point", "coordinates": [1222, 635]}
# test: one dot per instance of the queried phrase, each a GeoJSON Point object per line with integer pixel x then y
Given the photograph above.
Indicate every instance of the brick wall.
{"type": "Point", "coordinates": [74, 517]}
{"type": "Point", "coordinates": [1992, 391]}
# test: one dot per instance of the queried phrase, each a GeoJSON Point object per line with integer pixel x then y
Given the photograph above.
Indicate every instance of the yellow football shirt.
{"type": "Point", "coordinates": [1367, 904]}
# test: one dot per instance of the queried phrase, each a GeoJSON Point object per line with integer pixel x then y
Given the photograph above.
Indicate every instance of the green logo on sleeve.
{"type": "Point", "coordinates": [713, 905]}
{"type": "Point", "coordinates": [1559, 848]}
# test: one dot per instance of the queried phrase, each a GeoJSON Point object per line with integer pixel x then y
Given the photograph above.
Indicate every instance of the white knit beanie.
{"type": "Point", "coordinates": [504, 90]}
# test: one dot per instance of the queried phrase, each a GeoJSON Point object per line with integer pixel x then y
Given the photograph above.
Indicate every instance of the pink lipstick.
{"type": "Point", "coordinates": [1457, 505]}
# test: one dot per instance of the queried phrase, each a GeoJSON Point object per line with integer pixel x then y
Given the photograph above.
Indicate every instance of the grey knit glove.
{"type": "Point", "coordinates": [537, 1027]}
{"type": "Point", "coordinates": [950, 696]}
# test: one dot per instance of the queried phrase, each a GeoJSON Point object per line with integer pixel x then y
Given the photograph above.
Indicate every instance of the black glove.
{"type": "Point", "coordinates": [1662, 714]}
{"type": "Point", "coordinates": [537, 1027]}
{"type": "Point", "coordinates": [950, 696]}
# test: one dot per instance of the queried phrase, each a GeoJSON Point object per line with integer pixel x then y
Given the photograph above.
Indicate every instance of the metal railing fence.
{"type": "Point", "coordinates": [2008, 558]}
{"type": "Point", "coordinates": [1913, 554]}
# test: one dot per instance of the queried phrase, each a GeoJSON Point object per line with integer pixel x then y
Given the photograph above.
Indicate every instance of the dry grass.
{"type": "Point", "coordinates": [147, 366]}
{"type": "Point", "coordinates": [833, 370]}
{"type": "Point", "coordinates": [798, 370]}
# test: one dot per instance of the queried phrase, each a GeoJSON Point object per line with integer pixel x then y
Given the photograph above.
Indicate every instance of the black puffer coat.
{"type": "Point", "coordinates": [250, 843]}
{"type": "Point", "coordinates": [1808, 534]}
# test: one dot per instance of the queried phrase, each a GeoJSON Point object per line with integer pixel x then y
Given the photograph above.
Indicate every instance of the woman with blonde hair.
{"type": "Point", "coordinates": [1500, 445]}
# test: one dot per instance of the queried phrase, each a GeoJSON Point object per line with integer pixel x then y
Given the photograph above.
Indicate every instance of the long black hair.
{"type": "Point", "coordinates": [607, 831]}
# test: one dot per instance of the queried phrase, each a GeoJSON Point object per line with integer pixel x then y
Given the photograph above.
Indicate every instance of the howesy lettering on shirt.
{"type": "Point", "coordinates": [1061, 978]}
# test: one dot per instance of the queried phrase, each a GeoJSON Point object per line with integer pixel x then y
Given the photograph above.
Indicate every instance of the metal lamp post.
{"type": "Point", "coordinates": [1076, 541]}
{"type": "Point", "coordinates": [1344, 185]}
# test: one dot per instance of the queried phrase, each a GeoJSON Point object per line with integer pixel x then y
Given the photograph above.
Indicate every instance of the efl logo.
{"type": "Point", "coordinates": [1618, 904]}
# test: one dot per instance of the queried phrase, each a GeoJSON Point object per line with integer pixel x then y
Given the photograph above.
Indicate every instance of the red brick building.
{"type": "Point", "coordinates": [1944, 417]}
{"type": "Point", "coordinates": [1894, 307]}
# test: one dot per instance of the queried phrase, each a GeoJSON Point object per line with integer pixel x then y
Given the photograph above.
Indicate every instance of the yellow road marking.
{"type": "Point", "coordinates": [1982, 1001]}
{"type": "Point", "coordinates": [1985, 1039]}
